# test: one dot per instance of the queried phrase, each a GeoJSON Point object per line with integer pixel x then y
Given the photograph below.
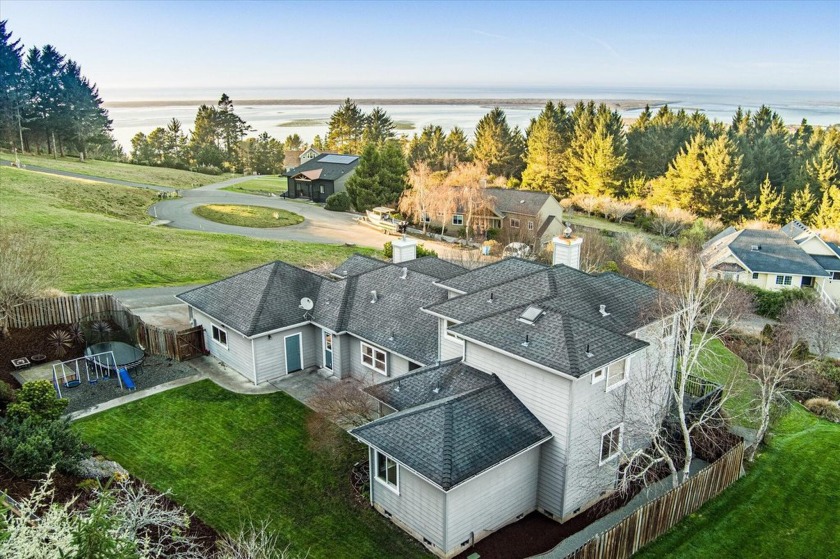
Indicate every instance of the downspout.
{"type": "Point", "coordinates": [568, 448]}
{"type": "Point", "coordinates": [371, 466]}
{"type": "Point", "coordinates": [254, 360]}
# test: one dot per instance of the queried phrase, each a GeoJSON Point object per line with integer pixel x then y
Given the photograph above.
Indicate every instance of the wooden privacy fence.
{"type": "Point", "coordinates": [180, 345]}
{"type": "Point", "coordinates": [660, 515]}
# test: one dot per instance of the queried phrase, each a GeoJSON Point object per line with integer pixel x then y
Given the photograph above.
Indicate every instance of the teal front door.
{"type": "Point", "coordinates": [293, 353]}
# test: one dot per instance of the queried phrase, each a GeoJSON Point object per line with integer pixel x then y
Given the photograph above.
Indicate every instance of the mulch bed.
{"type": "Point", "coordinates": [66, 487]}
{"type": "Point", "coordinates": [26, 343]}
{"type": "Point", "coordinates": [536, 533]}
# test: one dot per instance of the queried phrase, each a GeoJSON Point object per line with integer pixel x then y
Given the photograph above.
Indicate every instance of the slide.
{"type": "Point", "coordinates": [126, 379]}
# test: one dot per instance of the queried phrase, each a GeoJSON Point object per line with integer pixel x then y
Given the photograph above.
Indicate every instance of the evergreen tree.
{"type": "Point", "coordinates": [676, 188]}
{"type": "Point", "coordinates": [317, 143]}
{"type": "Point", "coordinates": [262, 155]}
{"type": "Point", "coordinates": [230, 128]}
{"type": "Point", "coordinates": [43, 114]}
{"type": "Point", "coordinates": [765, 143]}
{"type": "Point", "coordinates": [379, 127]}
{"type": "Point", "coordinates": [293, 143]}
{"type": "Point", "coordinates": [346, 128]}
{"type": "Point", "coordinates": [496, 145]}
{"type": "Point", "coordinates": [86, 121]}
{"type": "Point", "coordinates": [204, 141]}
{"type": "Point", "coordinates": [380, 177]}
{"type": "Point", "coordinates": [803, 204]}
{"type": "Point", "coordinates": [718, 195]}
{"type": "Point", "coordinates": [429, 147]}
{"type": "Point", "coordinates": [11, 89]}
{"type": "Point", "coordinates": [828, 216]}
{"type": "Point", "coordinates": [597, 159]}
{"type": "Point", "coordinates": [769, 203]}
{"type": "Point", "coordinates": [457, 148]}
{"type": "Point", "coordinates": [548, 140]}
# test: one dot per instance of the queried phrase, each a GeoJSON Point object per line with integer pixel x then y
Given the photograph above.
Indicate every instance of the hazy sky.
{"type": "Point", "coordinates": [751, 45]}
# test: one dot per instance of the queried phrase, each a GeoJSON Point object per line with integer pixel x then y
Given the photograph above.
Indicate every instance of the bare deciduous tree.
{"type": "Point", "coordinates": [638, 258]}
{"type": "Point", "coordinates": [814, 322]}
{"type": "Point", "coordinates": [254, 541]}
{"type": "Point", "coordinates": [344, 403]}
{"type": "Point", "coordinates": [595, 251]}
{"type": "Point", "coordinates": [416, 202]}
{"type": "Point", "coordinates": [469, 180]}
{"type": "Point", "coordinates": [26, 269]}
{"type": "Point", "coordinates": [770, 363]}
{"type": "Point", "coordinates": [670, 222]}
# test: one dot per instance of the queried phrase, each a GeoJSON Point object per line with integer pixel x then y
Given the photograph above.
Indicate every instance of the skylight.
{"type": "Point", "coordinates": [531, 315]}
{"type": "Point", "coordinates": [341, 159]}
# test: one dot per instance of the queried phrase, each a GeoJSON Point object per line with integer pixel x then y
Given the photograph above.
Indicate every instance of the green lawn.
{"type": "Point", "coordinates": [722, 366]}
{"type": "Point", "coordinates": [159, 176]}
{"type": "Point", "coordinates": [231, 457]}
{"type": "Point", "coordinates": [248, 216]}
{"type": "Point", "coordinates": [98, 239]}
{"type": "Point", "coordinates": [263, 185]}
{"type": "Point", "coordinates": [787, 506]}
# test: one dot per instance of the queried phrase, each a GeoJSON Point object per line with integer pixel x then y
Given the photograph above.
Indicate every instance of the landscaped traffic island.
{"type": "Point", "coordinates": [248, 216]}
{"type": "Point", "coordinates": [231, 458]}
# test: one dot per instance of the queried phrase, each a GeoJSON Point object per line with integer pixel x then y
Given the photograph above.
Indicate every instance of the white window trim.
{"type": "Point", "coordinates": [324, 335]}
{"type": "Point", "coordinates": [449, 336]}
{"type": "Point", "coordinates": [374, 349]}
{"type": "Point", "coordinates": [219, 328]}
{"type": "Point", "coordinates": [530, 225]}
{"type": "Point", "coordinates": [601, 462]}
{"type": "Point", "coordinates": [384, 483]}
{"type": "Point", "coordinates": [461, 216]}
{"type": "Point", "coordinates": [598, 376]}
{"type": "Point", "coordinates": [518, 223]}
{"type": "Point", "coordinates": [622, 381]}
{"type": "Point", "coordinates": [755, 275]}
{"type": "Point", "coordinates": [785, 280]}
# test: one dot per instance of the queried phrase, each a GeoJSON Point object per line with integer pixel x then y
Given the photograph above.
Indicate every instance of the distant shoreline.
{"type": "Point", "coordinates": [623, 104]}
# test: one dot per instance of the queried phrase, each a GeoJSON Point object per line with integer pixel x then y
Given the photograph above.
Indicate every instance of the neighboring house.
{"type": "Point", "coordinates": [518, 215]}
{"type": "Point", "coordinates": [308, 154]}
{"type": "Point", "coordinates": [504, 390]}
{"type": "Point", "coordinates": [320, 176]}
{"type": "Point", "coordinates": [793, 257]}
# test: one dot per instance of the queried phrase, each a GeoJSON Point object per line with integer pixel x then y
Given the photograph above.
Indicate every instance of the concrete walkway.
{"type": "Point", "coordinates": [653, 492]}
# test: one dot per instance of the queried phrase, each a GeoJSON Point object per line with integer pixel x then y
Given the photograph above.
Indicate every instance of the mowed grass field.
{"type": "Point", "coordinates": [248, 216]}
{"type": "Point", "coordinates": [262, 185]}
{"type": "Point", "coordinates": [231, 458]}
{"type": "Point", "coordinates": [98, 239]}
{"type": "Point", "coordinates": [787, 507]}
{"type": "Point", "coordinates": [158, 176]}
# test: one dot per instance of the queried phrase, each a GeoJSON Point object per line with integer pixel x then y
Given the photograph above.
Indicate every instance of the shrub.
{"type": "Point", "coordinates": [808, 383]}
{"type": "Point", "coordinates": [37, 399]}
{"type": "Point", "coordinates": [771, 304]}
{"type": "Point", "coordinates": [338, 202]}
{"type": "Point", "coordinates": [207, 170]}
{"type": "Point", "coordinates": [31, 446]}
{"type": "Point", "coordinates": [492, 233]}
{"type": "Point", "coordinates": [7, 395]}
{"type": "Point", "coordinates": [825, 408]}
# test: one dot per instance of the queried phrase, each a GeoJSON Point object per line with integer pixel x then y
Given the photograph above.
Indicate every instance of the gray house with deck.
{"type": "Point", "coordinates": [504, 390]}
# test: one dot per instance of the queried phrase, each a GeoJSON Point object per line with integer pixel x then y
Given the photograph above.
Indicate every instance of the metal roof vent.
{"type": "Point", "coordinates": [527, 341]}
{"type": "Point", "coordinates": [755, 247]}
{"type": "Point", "coordinates": [436, 389]}
{"type": "Point", "coordinates": [603, 310]}
{"type": "Point", "coordinates": [391, 338]}
{"type": "Point", "coordinates": [404, 273]}
{"type": "Point", "coordinates": [531, 315]}
{"type": "Point", "coordinates": [589, 353]}
{"type": "Point", "coordinates": [397, 387]}
{"type": "Point", "coordinates": [490, 300]}
{"type": "Point", "coordinates": [373, 296]}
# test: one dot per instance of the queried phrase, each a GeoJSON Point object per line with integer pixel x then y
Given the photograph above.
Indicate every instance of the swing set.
{"type": "Point", "coordinates": [96, 367]}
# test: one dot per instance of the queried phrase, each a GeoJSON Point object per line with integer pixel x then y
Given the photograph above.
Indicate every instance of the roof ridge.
{"type": "Point", "coordinates": [570, 345]}
{"type": "Point", "coordinates": [258, 309]}
{"type": "Point", "coordinates": [228, 277]}
{"type": "Point", "coordinates": [446, 447]}
{"type": "Point", "coordinates": [420, 371]}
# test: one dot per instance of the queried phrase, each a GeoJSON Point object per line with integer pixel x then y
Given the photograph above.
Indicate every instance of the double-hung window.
{"type": "Point", "coordinates": [616, 374]}
{"type": "Point", "coordinates": [530, 226]}
{"type": "Point", "coordinates": [611, 444]}
{"type": "Point", "coordinates": [514, 223]}
{"type": "Point", "coordinates": [374, 358]}
{"type": "Point", "coordinates": [387, 471]}
{"type": "Point", "coordinates": [219, 335]}
{"type": "Point", "coordinates": [457, 219]}
{"type": "Point", "coordinates": [784, 280]}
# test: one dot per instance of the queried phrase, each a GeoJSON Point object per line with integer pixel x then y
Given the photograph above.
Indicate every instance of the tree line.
{"type": "Point", "coordinates": [48, 105]}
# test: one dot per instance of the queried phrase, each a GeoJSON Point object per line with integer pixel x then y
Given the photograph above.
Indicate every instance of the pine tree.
{"type": "Point", "coordinates": [803, 203]}
{"type": "Point", "coordinates": [379, 127]}
{"type": "Point", "coordinates": [457, 148]}
{"type": "Point", "coordinates": [828, 216]}
{"type": "Point", "coordinates": [429, 148]}
{"type": "Point", "coordinates": [86, 121]}
{"type": "Point", "coordinates": [675, 189]}
{"type": "Point", "coordinates": [718, 195]}
{"type": "Point", "coordinates": [380, 177]}
{"type": "Point", "coordinates": [765, 143]}
{"type": "Point", "coordinates": [597, 159]}
{"type": "Point", "coordinates": [346, 127]}
{"type": "Point", "coordinates": [230, 128]}
{"type": "Point", "coordinates": [293, 143]}
{"type": "Point", "coordinates": [205, 139]}
{"type": "Point", "coordinates": [43, 114]}
{"type": "Point", "coordinates": [11, 89]}
{"type": "Point", "coordinates": [497, 145]}
{"type": "Point", "coordinates": [548, 140]}
{"type": "Point", "coordinates": [768, 205]}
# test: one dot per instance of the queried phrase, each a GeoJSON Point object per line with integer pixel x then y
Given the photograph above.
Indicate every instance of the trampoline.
{"type": "Point", "coordinates": [127, 356]}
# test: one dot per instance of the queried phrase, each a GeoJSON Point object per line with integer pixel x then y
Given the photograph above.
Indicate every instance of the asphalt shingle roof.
{"type": "Point", "coordinates": [830, 263]}
{"type": "Point", "coordinates": [492, 274]}
{"type": "Point", "coordinates": [509, 200]}
{"type": "Point", "coordinates": [434, 267]}
{"type": "Point", "coordinates": [329, 171]}
{"type": "Point", "coordinates": [462, 435]}
{"type": "Point", "coordinates": [429, 384]}
{"type": "Point", "coordinates": [778, 253]}
{"type": "Point", "coordinates": [558, 340]}
{"type": "Point", "coordinates": [358, 264]}
{"type": "Point", "coordinates": [259, 300]}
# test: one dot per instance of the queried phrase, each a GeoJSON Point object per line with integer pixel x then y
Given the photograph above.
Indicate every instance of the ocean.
{"type": "Point", "coordinates": [143, 110]}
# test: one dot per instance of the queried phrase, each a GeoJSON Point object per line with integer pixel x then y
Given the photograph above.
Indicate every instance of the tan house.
{"type": "Point", "coordinates": [792, 257]}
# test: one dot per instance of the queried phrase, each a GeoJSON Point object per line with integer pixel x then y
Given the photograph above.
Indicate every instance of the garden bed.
{"type": "Point", "coordinates": [27, 342]}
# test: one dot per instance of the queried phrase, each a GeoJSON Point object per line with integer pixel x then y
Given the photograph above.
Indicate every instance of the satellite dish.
{"type": "Point", "coordinates": [306, 304]}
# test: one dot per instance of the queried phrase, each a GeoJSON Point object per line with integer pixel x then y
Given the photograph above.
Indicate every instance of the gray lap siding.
{"type": "Point", "coordinates": [397, 365]}
{"type": "Point", "coordinates": [547, 396]}
{"type": "Point", "coordinates": [271, 354]}
{"type": "Point", "coordinates": [449, 348]}
{"type": "Point", "coordinates": [237, 355]}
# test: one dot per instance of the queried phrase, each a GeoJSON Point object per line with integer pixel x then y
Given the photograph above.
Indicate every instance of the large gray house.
{"type": "Point", "coordinates": [507, 389]}
{"type": "Point", "coordinates": [318, 177]}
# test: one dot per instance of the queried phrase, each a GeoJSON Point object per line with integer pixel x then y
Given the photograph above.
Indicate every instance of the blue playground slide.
{"type": "Point", "coordinates": [128, 383]}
